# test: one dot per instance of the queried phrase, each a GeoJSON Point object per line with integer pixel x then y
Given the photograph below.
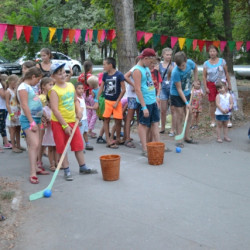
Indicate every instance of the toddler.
{"type": "Point", "coordinates": [196, 104]}
{"type": "Point", "coordinates": [83, 124]}
{"type": "Point", "coordinates": [224, 105]}
{"type": "Point", "coordinates": [12, 121]}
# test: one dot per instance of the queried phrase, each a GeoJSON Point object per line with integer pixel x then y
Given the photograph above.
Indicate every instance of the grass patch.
{"type": "Point", "coordinates": [7, 195]}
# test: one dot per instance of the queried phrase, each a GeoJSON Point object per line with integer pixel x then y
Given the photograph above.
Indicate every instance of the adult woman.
{"type": "Point", "coordinates": [214, 70]}
{"type": "Point", "coordinates": [164, 67]}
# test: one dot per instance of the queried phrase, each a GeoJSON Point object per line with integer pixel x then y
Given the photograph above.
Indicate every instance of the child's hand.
{"type": "Point", "coordinates": [115, 105]}
{"type": "Point", "coordinates": [34, 128]}
{"type": "Point", "coordinates": [95, 107]}
{"type": "Point", "coordinates": [80, 124]}
{"type": "Point", "coordinates": [13, 119]}
{"type": "Point", "coordinates": [145, 113]}
{"type": "Point", "coordinates": [68, 131]}
{"type": "Point", "coordinates": [79, 116]}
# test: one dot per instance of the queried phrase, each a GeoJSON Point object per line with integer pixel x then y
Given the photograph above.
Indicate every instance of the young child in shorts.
{"type": "Point", "coordinates": [65, 109]}
{"type": "Point", "coordinates": [83, 124]}
{"type": "Point", "coordinates": [196, 104]}
{"type": "Point", "coordinates": [113, 87]}
{"type": "Point", "coordinates": [224, 105]}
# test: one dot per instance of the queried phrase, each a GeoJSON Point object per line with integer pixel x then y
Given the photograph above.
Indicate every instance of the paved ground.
{"type": "Point", "coordinates": [198, 199]}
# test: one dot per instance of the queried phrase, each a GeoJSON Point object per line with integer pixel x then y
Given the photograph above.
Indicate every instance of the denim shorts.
{"type": "Point", "coordinates": [222, 118]}
{"type": "Point", "coordinates": [154, 115]}
{"type": "Point", "coordinates": [132, 103]}
{"type": "Point", "coordinates": [84, 127]}
{"type": "Point", "coordinates": [25, 124]}
{"type": "Point", "coordinates": [165, 92]}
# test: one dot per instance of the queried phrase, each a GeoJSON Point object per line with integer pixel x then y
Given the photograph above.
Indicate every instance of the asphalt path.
{"type": "Point", "coordinates": [198, 199]}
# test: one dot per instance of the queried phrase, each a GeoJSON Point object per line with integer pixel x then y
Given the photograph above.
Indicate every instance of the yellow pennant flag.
{"type": "Point", "coordinates": [52, 32]}
{"type": "Point", "coordinates": [181, 42]}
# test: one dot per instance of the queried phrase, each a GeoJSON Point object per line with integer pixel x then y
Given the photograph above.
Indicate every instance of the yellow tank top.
{"type": "Point", "coordinates": [66, 103]}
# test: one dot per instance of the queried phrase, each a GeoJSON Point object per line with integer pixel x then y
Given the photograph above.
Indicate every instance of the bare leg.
{"type": "Point", "coordinates": [225, 131]}
{"type": "Point", "coordinates": [118, 123]}
{"type": "Point", "coordinates": [106, 130]}
{"type": "Point", "coordinates": [218, 131]}
{"type": "Point", "coordinates": [80, 157]}
{"type": "Point", "coordinates": [17, 136]}
{"type": "Point", "coordinates": [85, 137]}
{"type": "Point", "coordinates": [143, 130]}
{"type": "Point", "coordinates": [12, 137]}
{"type": "Point", "coordinates": [154, 132]}
{"type": "Point", "coordinates": [187, 137]}
{"type": "Point", "coordinates": [173, 113]}
{"type": "Point", "coordinates": [129, 118]}
{"type": "Point", "coordinates": [164, 108]}
{"type": "Point", "coordinates": [212, 109]}
{"type": "Point", "coordinates": [51, 156]}
{"type": "Point", "coordinates": [179, 111]}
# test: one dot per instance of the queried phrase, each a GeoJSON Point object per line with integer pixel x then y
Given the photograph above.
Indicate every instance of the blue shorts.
{"type": "Point", "coordinates": [25, 124]}
{"type": "Point", "coordinates": [165, 92]}
{"type": "Point", "coordinates": [84, 127]}
{"type": "Point", "coordinates": [222, 118]}
{"type": "Point", "coordinates": [132, 103]}
{"type": "Point", "coordinates": [154, 115]}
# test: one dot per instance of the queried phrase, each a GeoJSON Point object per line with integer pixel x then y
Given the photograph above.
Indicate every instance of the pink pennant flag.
{"type": "Point", "coordinates": [19, 29]}
{"type": "Point", "coordinates": [174, 40]}
{"type": "Point", "coordinates": [194, 44]}
{"type": "Point", "coordinates": [3, 28]}
{"type": "Point", "coordinates": [103, 35]}
{"type": "Point", "coordinates": [10, 31]}
{"type": "Point", "coordinates": [147, 37]}
{"type": "Point", "coordinates": [223, 45]}
{"type": "Point", "coordinates": [139, 35]}
{"type": "Point", "coordinates": [163, 39]}
{"type": "Point", "coordinates": [238, 45]}
{"type": "Point", "coordinates": [77, 35]}
{"type": "Point", "coordinates": [248, 45]}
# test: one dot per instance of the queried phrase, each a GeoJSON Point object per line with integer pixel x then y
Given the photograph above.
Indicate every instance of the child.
{"type": "Point", "coordinates": [45, 85]}
{"type": "Point", "coordinates": [224, 105]}
{"type": "Point", "coordinates": [93, 83]}
{"type": "Point", "coordinates": [3, 112]}
{"type": "Point", "coordinates": [156, 76]}
{"type": "Point", "coordinates": [30, 119]}
{"type": "Point", "coordinates": [114, 88]}
{"type": "Point", "coordinates": [91, 113]}
{"type": "Point", "coordinates": [149, 115]}
{"type": "Point", "coordinates": [65, 108]}
{"type": "Point", "coordinates": [196, 104]}
{"type": "Point", "coordinates": [83, 124]}
{"type": "Point", "coordinates": [48, 139]}
{"type": "Point", "coordinates": [12, 121]}
{"type": "Point", "coordinates": [180, 92]}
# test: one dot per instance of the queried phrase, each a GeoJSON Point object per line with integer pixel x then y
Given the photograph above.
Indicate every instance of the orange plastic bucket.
{"type": "Point", "coordinates": [155, 153]}
{"type": "Point", "coordinates": [110, 165]}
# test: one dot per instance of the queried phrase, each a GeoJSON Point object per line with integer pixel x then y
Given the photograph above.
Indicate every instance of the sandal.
{"type": "Point", "coordinates": [171, 134]}
{"type": "Point", "coordinates": [144, 153]}
{"type": "Point", "coordinates": [227, 139]}
{"type": "Point", "coordinates": [219, 140]}
{"type": "Point", "coordinates": [34, 180]}
{"type": "Point", "coordinates": [120, 142]}
{"type": "Point", "coordinates": [42, 172]}
{"type": "Point", "coordinates": [129, 144]}
{"type": "Point", "coordinates": [191, 141]}
{"type": "Point", "coordinates": [40, 165]}
{"type": "Point", "coordinates": [162, 132]}
{"type": "Point", "coordinates": [100, 140]}
{"type": "Point", "coordinates": [112, 146]}
{"type": "Point", "coordinates": [212, 125]}
{"type": "Point", "coordinates": [179, 144]}
{"type": "Point", "coordinates": [52, 168]}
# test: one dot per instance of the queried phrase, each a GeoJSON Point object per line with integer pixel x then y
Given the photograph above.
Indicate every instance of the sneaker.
{"type": "Point", "coordinates": [7, 146]}
{"type": "Point", "coordinates": [88, 147]}
{"type": "Point", "coordinates": [229, 125]}
{"type": "Point", "coordinates": [144, 153]}
{"type": "Point", "coordinates": [68, 177]}
{"type": "Point", "coordinates": [100, 140]}
{"type": "Point", "coordinates": [87, 171]}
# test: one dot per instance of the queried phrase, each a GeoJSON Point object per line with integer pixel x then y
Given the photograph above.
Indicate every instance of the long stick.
{"type": "Point", "coordinates": [39, 194]}
{"type": "Point", "coordinates": [180, 136]}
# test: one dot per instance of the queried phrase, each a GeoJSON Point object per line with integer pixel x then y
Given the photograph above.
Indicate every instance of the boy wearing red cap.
{"type": "Point", "coordinates": [149, 115]}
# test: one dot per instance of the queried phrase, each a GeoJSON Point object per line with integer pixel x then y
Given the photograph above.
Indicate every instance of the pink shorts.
{"type": "Point", "coordinates": [61, 138]}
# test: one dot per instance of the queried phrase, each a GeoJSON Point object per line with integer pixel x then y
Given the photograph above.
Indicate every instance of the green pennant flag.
{"type": "Point", "coordinates": [83, 34]}
{"type": "Point", "coordinates": [35, 33]}
{"type": "Point", "coordinates": [156, 39]}
{"type": "Point", "coordinates": [231, 45]}
{"type": "Point", "coordinates": [59, 34]}
{"type": "Point", "coordinates": [189, 42]}
{"type": "Point", "coordinates": [44, 31]}
{"type": "Point", "coordinates": [95, 32]}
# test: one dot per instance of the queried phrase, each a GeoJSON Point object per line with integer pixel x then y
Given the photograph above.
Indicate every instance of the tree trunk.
{"type": "Point", "coordinates": [228, 35]}
{"type": "Point", "coordinates": [82, 53]}
{"type": "Point", "coordinates": [125, 33]}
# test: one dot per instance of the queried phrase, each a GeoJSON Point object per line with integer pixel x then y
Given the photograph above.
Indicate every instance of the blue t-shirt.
{"type": "Point", "coordinates": [34, 102]}
{"type": "Point", "coordinates": [95, 91]}
{"type": "Point", "coordinates": [112, 85]}
{"type": "Point", "coordinates": [147, 85]}
{"type": "Point", "coordinates": [185, 77]}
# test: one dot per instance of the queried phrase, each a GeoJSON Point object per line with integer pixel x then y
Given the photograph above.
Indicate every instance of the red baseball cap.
{"type": "Point", "coordinates": [147, 53]}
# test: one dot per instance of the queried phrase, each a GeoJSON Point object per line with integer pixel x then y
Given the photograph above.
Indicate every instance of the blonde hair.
{"type": "Point", "coordinates": [12, 78]}
{"type": "Point", "coordinates": [166, 50]}
{"type": "Point", "coordinates": [93, 82]}
{"type": "Point", "coordinates": [3, 80]}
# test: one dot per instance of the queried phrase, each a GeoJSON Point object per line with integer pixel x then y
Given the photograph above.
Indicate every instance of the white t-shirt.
{"type": "Point", "coordinates": [129, 89]}
{"type": "Point", "coordinates": [2, 101]}
{"type": "Point", "coordinates": [83, 105]}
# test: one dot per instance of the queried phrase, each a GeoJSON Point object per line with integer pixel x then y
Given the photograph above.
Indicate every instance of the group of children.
{"type": "Point", "coordinates": [46, 107]}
